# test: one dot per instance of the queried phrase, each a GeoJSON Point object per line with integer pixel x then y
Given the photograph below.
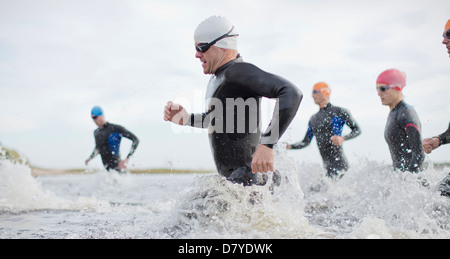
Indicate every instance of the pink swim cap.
{"type": "Point", "coordinates": [393, 78]}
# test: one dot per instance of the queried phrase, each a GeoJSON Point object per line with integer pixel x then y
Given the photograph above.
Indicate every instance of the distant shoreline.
{"type": "Point", "coordinates": [47, 172]}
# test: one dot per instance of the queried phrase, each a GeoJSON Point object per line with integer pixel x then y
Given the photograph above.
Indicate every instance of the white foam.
{"type": "Point", "coordinates": [216, 208]}
{"type": "Point", "coordinates": [20, 191]}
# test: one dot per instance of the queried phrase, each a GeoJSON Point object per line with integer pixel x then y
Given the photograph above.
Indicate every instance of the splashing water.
{"type": "Point", "coordinates": [20, 191]}
{"type": "Point", "coordinates": [370, 201]}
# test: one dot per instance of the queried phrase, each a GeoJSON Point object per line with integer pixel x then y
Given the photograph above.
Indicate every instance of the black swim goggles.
{"type": "Point", "coordinates": [383, 88]}
{"type": "Point", "coordinates": [203, 47]}
{"type": "Point", "coordinates": [446, 34]}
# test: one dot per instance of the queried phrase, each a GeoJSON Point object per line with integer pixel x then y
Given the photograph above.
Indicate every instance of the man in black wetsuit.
{"type": "Point", "coordinates": [233, 105]}
{"type": "Point", "coordinates": [107, 142]}
{"type": "Point", "coordinates": [327, 125]}
{"type": "Point", "coordinates": [431, 144]}
{"type": "Point", "coordinates": [403, 128]}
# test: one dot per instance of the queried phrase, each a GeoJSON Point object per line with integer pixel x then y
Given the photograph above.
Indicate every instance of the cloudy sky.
{"type": "Point", "coordinates": [58, 58]}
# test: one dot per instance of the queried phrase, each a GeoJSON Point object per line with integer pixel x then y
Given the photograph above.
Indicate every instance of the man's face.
{"type": "Point", "coordinates": [387, 96]}
{"type": "Point", "coordinates": [211, 60]}
{"type": "Point", "coordinates": [99, 120]}
{"type": "Point", "coordinates": [446, 42]}
{"type": "Point", "coordinates": [319, 97]}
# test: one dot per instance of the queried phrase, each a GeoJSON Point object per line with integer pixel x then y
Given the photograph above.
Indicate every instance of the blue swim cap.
{"type": "Point", "coordinates": [96, 111]}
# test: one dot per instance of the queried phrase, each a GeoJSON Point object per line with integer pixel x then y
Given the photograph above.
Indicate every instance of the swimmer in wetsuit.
{"type": "Point", "coordinates": [107, 142]}
{"type": "Point", "coordinates": [327, 125]}
{"type": "Point", "coordinates": [402, 132]}
{"type": "Point", "coordinates": [431, 144]}
{"type": "Point", "coordinates": [233, 105]}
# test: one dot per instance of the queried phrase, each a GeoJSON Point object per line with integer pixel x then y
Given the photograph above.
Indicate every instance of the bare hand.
{"type": "Point", "coordinates": [337, 140]}
{"type": "Point", "coordinates": [123, 164]}
{"type": "Point", "coordinates": [430, 144]}
{"type": "Point", "coordinates": [175, 113]}
{"type": "Point", "coordinates": [263, 160]}
{"type": "Point", "coordinates": [87, 161]}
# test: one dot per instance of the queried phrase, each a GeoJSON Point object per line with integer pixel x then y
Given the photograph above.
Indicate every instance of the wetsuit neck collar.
{"type": "Point", "coordinates": [104, 126]}
{"type": "Point", "coordinates": [229, 63]}
{"type": "Point", "coordinates": [326, 106]}
{"type": "Point", "coordinates": [400, 104]}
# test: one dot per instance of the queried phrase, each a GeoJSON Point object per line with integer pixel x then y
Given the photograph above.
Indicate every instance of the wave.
{"type": "Point", "coordinates": [21, 192]}
{"type": "Point", "coordinates": [216, 208]}
{"type": "Point", "coordinates": [373, 201]}
{"type": "Point", "coordinates": [370, 201]}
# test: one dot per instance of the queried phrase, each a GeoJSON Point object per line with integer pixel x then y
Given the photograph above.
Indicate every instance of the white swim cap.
{"type": "Point", "coordinates": [214, 27]}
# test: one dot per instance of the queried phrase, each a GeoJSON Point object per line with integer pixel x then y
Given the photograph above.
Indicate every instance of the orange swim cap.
{"type": "Point", "coordinates": [323, 87]}
{"type": "Point", "coordinates": [447, 26]}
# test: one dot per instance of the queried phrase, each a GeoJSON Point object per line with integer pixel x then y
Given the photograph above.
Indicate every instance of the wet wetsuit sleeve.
{"type": "Point", "coordinates": [94, 153]}
{"type": "Point", "coordinates": [264, 84]}
{"type": "Point", "coordinates": [445, 137]}
{"type": "Point", "coordinates": [199, 120]}
{"type": "Point", "coordinates": [306, 141]}
{"type": "Point", "coordinates": [96, 150]}
{"type": "Point", "coordinates": [131, 137]}
{"type": "Point", "coordinates": [412, 129]}
{"type": "Point", "coordinates": [415, 142]}
{"type": "Point", "coordinates": [353, 125]}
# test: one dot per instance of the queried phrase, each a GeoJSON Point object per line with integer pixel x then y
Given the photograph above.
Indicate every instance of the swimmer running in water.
{"type": "Point", "coordinates": [402, 132]}
{"type": "Point", "coordinates": [107, 142]}
{"type": "Point", "coordinates": [327, 125]}
{"type": "Point", "coordinates": [431, 144]}
{"type": "Point", "coordinates": [233, 105]}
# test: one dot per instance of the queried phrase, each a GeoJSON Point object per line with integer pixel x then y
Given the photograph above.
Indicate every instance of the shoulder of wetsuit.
{"type": "Point", "coordinates": [242, 70]}
{"type": "Point", "coordinates": [116, 126]}
{"type": "Point", "coordinates": [408, 112]}
{"type": "Point", "coordinates": [346, 113]}
{"type": "Point", "coordinates": [265, 83]}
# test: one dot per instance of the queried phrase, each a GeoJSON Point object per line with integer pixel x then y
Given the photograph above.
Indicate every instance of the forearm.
{"type": "Point", "coordinates": [133, 147]}
{"type": "Point", "coordinates": [356, 131]}
{"type": "Point", "coordinates": [444, 138]}
{"type": "Point", "coordinates": [353, 125]}
{"type": "Point", "coordinates": [417, 153]}
{"type": "Point", "coordinates": [198, 120]}
{"type": "Point", "coordinates": [94, 154]}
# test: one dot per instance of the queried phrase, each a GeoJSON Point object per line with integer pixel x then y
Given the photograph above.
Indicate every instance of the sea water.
{"type": "Point", "coordinates": [370, 201]}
